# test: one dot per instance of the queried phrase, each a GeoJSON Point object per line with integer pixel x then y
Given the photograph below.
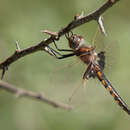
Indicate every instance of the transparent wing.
{"type": "Point", "coordinates": [111, 49]}
{"type": "Point", "coordinates": [66, 81]}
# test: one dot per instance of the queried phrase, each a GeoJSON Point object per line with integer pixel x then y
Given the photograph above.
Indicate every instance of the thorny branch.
{"type": "Point", "coordinates": [24, 93]}
{"type": "Point", "coordinates": [77, 21]}
{"type": "Point", "coordinates": [41, 46]}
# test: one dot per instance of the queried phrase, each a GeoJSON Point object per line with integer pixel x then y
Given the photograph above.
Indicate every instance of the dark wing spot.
{"type": "Point", "coordinates": [101, 60]}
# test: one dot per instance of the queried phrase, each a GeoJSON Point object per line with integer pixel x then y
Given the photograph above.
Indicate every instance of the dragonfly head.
{"type": "Point", "coordinates": [75, 41]}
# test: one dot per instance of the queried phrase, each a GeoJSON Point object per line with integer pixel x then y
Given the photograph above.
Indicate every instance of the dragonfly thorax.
{"type": "Point", "coordinates": [87, 54]}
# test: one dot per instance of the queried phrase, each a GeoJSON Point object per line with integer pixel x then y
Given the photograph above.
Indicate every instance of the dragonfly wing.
{"type": "Point", "coordinates": [89, 72]}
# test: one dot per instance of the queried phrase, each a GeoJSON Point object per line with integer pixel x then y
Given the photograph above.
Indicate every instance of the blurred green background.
{"type": "Point", "coordinates": [94, 108]}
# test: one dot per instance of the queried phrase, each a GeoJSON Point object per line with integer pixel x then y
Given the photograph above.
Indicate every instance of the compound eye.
{"type": "Point", "coordinates": [73, 37]}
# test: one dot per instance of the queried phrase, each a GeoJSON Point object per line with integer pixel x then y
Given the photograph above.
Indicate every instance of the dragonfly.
{"type": "Point", "coordinates": [95, 63]}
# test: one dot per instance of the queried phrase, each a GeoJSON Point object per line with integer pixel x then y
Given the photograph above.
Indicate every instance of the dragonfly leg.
{"type": "Point", "coordinates": [66, 56]}
{"type": "Point", "coordinates": [67, 50]}
{"type": "Point", "coordinates": [54, 51]}
{"type": "Point", "coordinates": [61, 55]}
{"type": "Point", "coordinates": [68, 36]}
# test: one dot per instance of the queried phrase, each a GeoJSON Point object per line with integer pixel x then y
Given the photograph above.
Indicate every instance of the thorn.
{"type": "Point", "coordinates": [112, 1]}
{"type": "Point", "coordinates": [52, 34]}
{"type": "Point", "coordinates": [101, 26]}
{"type": "Point", "coordinates": [17, 46]}
{"type": "Point", "coordinates": [48, 51]}
{"type": "Point", "coordinates": [3, 72]}
{"type": "Point", "coordinates": [77, 16]}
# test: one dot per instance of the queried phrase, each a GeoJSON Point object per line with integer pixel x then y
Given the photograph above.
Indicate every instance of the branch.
{"type": "Point", "coordinates": [29, 94]}
{"type": "Point", "coordinates": [43, 44]}
{"type": "Point", "coordinates": [92, 16]}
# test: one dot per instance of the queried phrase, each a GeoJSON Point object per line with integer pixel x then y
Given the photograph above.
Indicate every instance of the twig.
{"type": "Point", "coordinates": [41, 46]}
{"type": "Point", "coordinates": [92, 16]}
{"type": "Point", "coordinates": [24, 93]}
